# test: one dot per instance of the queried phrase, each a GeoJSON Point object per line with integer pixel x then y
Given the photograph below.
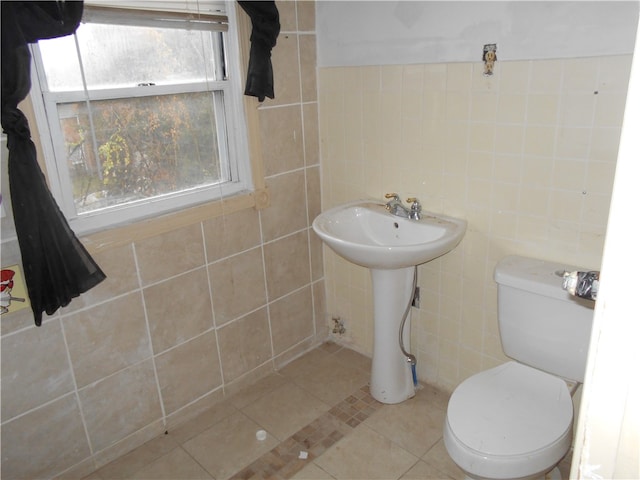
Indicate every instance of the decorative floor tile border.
{"type": "Point", "coordinates": [282, 462]}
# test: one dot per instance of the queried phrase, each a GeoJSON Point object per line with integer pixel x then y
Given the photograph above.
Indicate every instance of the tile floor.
{"type": "Point", "coordinates": [318, 404]}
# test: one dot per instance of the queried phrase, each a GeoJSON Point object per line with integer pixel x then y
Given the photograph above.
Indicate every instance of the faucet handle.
{"type": "Point", "coordinates": [393, 202]}
{"type": "Point", "coordinates": [416, 208]}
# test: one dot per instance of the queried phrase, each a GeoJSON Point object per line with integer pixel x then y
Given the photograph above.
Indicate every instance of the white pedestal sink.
{"type": "Point", "coordinates": [365, 233]}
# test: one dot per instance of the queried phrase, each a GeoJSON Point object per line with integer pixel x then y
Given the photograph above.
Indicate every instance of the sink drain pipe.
{"type": "Point", "coordinates": [410, 358]}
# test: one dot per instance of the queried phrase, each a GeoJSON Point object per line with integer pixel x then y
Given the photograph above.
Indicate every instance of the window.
{"type": "Point", "coordinates": [142, 114]}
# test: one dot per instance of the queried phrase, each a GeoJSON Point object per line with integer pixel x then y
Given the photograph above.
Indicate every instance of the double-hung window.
{"type": "Point", "coordinates": [141, 112]}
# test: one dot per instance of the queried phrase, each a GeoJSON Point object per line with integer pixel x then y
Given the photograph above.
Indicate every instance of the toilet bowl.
{"type": "Point", "coordinates": [509, 422]}
{"type": "Point", "coordinates": [515, 421]}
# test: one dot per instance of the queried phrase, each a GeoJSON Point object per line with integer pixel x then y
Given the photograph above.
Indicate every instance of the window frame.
{"type": "Point", "coordinates": [243, 142]}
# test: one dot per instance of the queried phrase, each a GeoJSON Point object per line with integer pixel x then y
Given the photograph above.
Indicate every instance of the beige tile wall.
{"type": "Point", "coordinates": [527, 156]}
{"type": "Point", "coordinates": [183, 318]}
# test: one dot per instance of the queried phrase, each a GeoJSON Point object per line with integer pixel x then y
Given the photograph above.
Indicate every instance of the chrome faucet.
{"type": "Point", "coordinates": [396, 207]}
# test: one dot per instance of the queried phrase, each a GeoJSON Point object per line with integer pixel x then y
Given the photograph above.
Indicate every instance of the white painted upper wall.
{"type": "Point", "coordinates": [352, 33]}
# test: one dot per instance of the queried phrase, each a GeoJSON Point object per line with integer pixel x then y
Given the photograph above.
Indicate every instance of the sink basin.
{"type": "Point", "coordinates": [365, 233]}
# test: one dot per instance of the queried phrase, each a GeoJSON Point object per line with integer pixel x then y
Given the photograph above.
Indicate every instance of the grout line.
{"type": "Point", "coordinates": [286, 172]}
{"type": "Point", "coordinates": [75, 389]}
{"type": "Point", "coordinates": [266, 291]}
{"type": "Point", "coordinates": [213, 312]}
{"type": "Point", "coordinates": [149, 339]}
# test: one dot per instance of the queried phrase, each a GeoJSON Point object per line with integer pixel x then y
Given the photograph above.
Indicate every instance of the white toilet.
{"type": "Point", "coordinates": [515, 421]}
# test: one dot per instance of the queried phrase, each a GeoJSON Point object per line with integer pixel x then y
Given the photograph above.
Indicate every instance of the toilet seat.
{"type": "Point", "coordinates": [509, 422]}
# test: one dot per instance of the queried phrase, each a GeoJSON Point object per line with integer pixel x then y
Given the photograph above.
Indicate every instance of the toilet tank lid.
{"type": "Point", "coordinates": [534, 275]}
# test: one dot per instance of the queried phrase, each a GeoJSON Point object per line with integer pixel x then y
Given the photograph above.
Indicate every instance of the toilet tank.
{"type": "Point", "coordinates": [541, 325]}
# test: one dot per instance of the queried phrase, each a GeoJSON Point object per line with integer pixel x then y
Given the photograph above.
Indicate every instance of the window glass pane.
{"type": "Point", "coordinates": [141, 148]}
{"type": "Point", "coordinates": [123, 56]}
{"type": "Point", "coordinates": [61, 62]}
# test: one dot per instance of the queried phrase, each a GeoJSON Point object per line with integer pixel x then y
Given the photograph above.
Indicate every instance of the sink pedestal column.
{"type": "Point", "coordinates": [391, 378]}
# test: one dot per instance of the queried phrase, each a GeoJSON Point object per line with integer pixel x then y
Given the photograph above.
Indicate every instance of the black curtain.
{"type": "Point", "coordinates": [56, 265]}
{"type": "Point", "coordinates": [265, 22]}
